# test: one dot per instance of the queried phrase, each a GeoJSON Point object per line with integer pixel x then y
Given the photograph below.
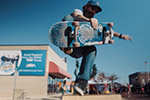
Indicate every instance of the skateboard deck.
{"type": "Point", "coordinates": [66, 34]}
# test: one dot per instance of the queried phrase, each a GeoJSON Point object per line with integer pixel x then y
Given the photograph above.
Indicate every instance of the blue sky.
{"type": "Point", "coordinates": [28, 22]}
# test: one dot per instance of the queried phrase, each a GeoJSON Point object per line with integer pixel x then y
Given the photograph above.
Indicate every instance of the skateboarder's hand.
{"type": "Point", "coordinates": [126, 37]}
{"type": "Point", "coordinates": [67, 50]}
{"type": "Point", "coordinates": [94, 23]}
{"type": "Point", "coordinates": [122, 36]}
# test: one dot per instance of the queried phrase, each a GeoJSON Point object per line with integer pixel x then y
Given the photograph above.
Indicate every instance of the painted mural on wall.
{"type": "Point", "coordinates": [27, 62]}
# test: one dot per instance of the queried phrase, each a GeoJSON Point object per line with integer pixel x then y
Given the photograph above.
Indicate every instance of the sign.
{"type": "Point", "coordinates": [27, 62]}
{"type": "Point", "coordinates": [33, 62]}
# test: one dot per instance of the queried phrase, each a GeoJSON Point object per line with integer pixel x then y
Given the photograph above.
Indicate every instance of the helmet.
{"type": "Point", "coordinates": [93, 3]}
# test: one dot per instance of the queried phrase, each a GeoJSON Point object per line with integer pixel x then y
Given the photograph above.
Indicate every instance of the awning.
{"type": "Point", "coordinates": [56, 71]}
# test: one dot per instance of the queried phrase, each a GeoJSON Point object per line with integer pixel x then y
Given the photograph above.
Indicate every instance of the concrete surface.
{"type": "Point", "coordinates": [93, 97]}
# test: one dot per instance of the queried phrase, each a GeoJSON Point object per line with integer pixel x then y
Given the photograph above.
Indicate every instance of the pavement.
{"type": "Point", "coordinates": [124, 97]}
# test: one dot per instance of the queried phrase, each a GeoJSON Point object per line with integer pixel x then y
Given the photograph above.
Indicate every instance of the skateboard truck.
{"type": "Point", "coordinates": [109, 34]}
{"type": "Point", "coordinates": [76, 24]}
{"type": "Point", "coordinates": [110, 25]}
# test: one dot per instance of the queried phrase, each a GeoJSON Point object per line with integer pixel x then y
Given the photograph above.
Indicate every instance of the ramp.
{"type": "Point", "coordinates": [92, 97]}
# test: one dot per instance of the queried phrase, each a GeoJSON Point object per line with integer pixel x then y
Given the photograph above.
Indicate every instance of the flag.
{"type": "Point", "coordinates": [145, 63]}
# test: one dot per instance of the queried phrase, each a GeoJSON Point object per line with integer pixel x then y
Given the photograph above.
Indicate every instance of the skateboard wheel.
{"type": "Point", "coordinates": [75, 23]}
{"type": "Point", "coordinates": [76, 44]}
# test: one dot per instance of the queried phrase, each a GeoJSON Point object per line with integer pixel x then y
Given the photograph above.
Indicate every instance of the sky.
{"type": "Point", "coordinates": [28, 22]}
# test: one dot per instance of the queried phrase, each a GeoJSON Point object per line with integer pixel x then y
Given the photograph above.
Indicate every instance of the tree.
{"type": "Point", "coordinates": [113, 77]}
{"type": "Point", "coordinates": [101, 76]}
{"type": "Point", "coordinates": [94, 71]}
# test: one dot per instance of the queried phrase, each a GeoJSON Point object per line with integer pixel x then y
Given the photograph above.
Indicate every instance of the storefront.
{"type": "Point", "coordinates": [25, 69]}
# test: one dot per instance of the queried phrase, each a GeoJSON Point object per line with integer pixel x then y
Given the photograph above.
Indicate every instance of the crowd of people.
{"type": "Point", "coordinates": [99, 89]}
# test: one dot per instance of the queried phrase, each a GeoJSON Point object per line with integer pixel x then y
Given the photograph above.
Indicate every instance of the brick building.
{"type": "Point", "coordinates": [138, 79]}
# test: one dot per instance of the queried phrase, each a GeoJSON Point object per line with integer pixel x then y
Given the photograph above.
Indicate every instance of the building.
{"type": "Point", "coordinates": [28, 69]}
{"type": "Point", "coordinates": [138, 80]}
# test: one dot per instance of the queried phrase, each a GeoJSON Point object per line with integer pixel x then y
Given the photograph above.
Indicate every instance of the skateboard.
{"type": "Point", "coordinates": [77, 34]}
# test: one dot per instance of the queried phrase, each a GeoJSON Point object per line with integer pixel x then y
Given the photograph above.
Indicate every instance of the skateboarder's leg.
{"type": "Point", "coordinates": [88, 53]}
{"type": "Point", "coordinates": [87, 63]}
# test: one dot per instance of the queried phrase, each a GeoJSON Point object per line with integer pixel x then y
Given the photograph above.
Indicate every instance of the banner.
{"type": "Point", "coordinates": [27, 62]}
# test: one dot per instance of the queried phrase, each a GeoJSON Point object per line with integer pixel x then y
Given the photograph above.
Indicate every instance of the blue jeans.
{"type": "Point", "coordinates": [89, 54]}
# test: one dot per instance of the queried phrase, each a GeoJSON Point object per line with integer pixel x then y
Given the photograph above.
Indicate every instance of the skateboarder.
{"type": "Point", "coordinates": [88, 53]}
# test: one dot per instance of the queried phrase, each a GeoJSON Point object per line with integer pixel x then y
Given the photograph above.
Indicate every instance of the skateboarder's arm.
{"type": "Point", "coordinates": [122, 36]}
{"type": "Point", "coordinates": [81, 18]}
{"type": "Point", "coordinates": [78, 17]}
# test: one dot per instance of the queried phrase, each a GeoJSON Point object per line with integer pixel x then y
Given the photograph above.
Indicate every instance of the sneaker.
{"type": "Point", "coordinates": [80, 86]}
